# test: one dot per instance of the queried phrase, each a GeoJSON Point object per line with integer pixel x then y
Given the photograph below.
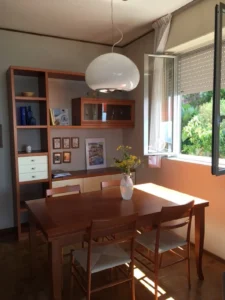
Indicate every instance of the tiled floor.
{"type": "Point", "coordinates": [15, 282]}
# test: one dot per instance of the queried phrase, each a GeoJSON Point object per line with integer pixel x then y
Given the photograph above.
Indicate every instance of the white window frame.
{"type": "Point", "coordinates": [146, 107]}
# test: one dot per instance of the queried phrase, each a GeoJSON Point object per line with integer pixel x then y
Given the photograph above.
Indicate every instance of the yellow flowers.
{"type": "Point", "coordinates": [127, 161]}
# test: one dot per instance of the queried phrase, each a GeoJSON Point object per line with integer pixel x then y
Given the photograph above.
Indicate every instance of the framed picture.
{"type": "Point", "coordinates": [95, 153]}
{"type": "Point", "coordinates": [56, 143]}
{"type": "Point", "coordinates": [66, 157]}
{"type": "Point", "coordinates": [57, 158]}
{"type": "Point", "coordinates": [66, 143]}
{"type": "Point", "coordinates": [75, 142]}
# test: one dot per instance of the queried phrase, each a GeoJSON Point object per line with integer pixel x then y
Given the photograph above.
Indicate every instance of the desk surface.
{"type": "Point", "coordinates": [64, 214]}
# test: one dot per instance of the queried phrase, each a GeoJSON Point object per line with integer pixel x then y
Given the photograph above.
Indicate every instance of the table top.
{"type": "Point", "coordinates": [71, 213]}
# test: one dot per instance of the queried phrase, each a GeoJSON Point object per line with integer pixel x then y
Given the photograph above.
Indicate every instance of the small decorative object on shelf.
{"type": "Point", "coordinates": [30, 119]}
{"type": "Point", "coordinates": [126, 163]}
{"type": "Point", "coordinates": [28, 149]}
{"type": "Point", "coordinates": [28, 94]}
{"type": "Point", "coordinates": [23, 115]}
{"type": "Point", "coordinates": [67, 157]}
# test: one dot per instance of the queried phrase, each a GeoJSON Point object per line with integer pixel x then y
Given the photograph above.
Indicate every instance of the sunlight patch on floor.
{"type": "Point", "coordinates": [147, 282]}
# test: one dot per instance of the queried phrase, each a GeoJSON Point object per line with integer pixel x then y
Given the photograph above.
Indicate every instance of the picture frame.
{"type": "Point", "coordinates": [66, 157]}
{"type": "Point", "coordinates": [75, 143]}
{"type": "Point", "coordinates": [57, 158]}
{"type": "Point", "coordinates": [66, 143]}
{"type": "Point", "coordinates": [56, 143]}
{"type": "Point", "coordinates": [95, 153]}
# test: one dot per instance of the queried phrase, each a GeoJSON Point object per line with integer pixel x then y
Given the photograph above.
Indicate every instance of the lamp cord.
{"type": "Point", "coordinates": [112, 20]}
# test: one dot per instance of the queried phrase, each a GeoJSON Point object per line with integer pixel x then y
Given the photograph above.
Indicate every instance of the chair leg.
{"type": "Point", "coordinates": [71, 275]}
{"type": "Point", "coordinates": [156, 274]}
{"type": "Point", "coordinates": [160, 260]}
{"type": "Point", "coordinates": [132, 283]}
{"type": "Point", "coordinates": [88, 287]}
{"type": "Point", "coordinates": [188, 267]}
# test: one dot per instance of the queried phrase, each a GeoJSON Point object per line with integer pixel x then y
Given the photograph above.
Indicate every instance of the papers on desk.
{"type": "Point", "coordinates": [60, 174]}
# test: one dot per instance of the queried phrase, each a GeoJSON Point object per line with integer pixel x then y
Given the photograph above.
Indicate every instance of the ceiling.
{"type": "Point", "coordinates": [87, 20]}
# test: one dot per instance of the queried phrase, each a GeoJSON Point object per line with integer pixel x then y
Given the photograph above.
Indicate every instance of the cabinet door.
{"type": "Point", "coordinates": [92, 184]}
{"type": "Point", "coordinates": [107, 113]}
{"type": "Point", "coordinates": [67, 182]}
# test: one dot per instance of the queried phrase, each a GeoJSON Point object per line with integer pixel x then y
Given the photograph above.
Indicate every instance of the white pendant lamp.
{"type": "Point", "coordinates": [112, 71]}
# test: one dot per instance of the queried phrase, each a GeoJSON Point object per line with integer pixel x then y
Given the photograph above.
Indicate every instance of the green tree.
{"type": "Point", "coordinates": [197, 134]}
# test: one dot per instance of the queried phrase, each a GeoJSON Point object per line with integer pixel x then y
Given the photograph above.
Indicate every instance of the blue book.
{"type": "Point", "coordinates": [23, 115]}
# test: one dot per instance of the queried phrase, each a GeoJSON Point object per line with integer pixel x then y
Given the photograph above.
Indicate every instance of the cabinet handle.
{"type": "Point", "coordinates": [32, 160]}
{"type": "Point", "coordinates": [33, 176]}
{"type": "Point", "coordinates": [33, 168]}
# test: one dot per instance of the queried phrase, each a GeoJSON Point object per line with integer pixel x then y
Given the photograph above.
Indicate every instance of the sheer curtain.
{"type": "Point", "coordinates": [156, 138]}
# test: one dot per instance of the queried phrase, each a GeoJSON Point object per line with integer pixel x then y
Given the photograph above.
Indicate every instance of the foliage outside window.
{"type": "Point", "coordinates": [196, 124]}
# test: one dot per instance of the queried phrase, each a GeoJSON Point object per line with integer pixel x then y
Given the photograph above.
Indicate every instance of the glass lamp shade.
{"type": "Point", "coordinates": [110, 72]}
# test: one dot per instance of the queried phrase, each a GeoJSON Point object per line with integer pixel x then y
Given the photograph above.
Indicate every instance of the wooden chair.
{"type": "Point", "coordinates": [62, 190]}
{"type": "Point", "coordinates": [109, 184]}
{"type": "Point", "coordinates": [99, 256]}
{"type": "Point", "coordinates": [162, 239]}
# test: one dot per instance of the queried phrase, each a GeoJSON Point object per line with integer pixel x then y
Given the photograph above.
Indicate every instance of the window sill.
{"type": "Point", "coordinates": [191, 160]}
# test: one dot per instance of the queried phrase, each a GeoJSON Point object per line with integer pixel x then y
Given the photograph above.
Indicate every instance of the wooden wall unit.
{"type": "Point", "coordinates": [31, 172]}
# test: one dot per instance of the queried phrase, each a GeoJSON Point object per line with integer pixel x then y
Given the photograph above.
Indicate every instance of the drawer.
{"type": "Point", "coordinates": [28, 160]}
{"type": "Point", "coordinates": [61, 183]}
{"type": "Point", "coordinates": [32, 168]}
{"type": "Point", "coordinates": [33, 176]}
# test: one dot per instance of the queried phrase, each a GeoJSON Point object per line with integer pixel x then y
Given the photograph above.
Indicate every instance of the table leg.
{"type": "Point", "coordinates": [199, 239]}
{"type": "Point", "coordinates": [32, 242]}
{"type": "Point", "coordinates": [55, 260]}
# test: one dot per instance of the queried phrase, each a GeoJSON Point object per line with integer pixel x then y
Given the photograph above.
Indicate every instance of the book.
{"type": "Point", "coordinates": [51, 117]}
{"type": "Point", "coordinates": [59, 116]}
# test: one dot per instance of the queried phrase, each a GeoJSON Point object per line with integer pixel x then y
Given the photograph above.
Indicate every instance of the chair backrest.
{"type": "Point", "coordinates": [110, 183]}
{"type": "Point", "coordinates": [62, 190]}
{"type": "Point", "coordinates": [121, 226]}
{"type": "Point", "coordinates": [181, 213]}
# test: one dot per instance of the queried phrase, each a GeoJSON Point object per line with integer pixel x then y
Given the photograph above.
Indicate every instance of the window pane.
{"type": "Point", "coordinates": [196, 124]}
{"type": "Point", "coordinates": [160, 72]}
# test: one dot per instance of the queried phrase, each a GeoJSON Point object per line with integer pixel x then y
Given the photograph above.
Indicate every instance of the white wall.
{"type": "Point", "coordinates": [34, 51]}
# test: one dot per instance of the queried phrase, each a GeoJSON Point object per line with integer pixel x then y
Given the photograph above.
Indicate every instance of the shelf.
{"type": "Point", "coordinates": [33, 153]}
{"type": "Point", "coordinates": [34, 181]}
{"type": "Point", "coordinates": [94, 126]}
{"type": "Point", "coordinates": [31, 126]}
{"type": "Point", "coordinates": [23, 98]}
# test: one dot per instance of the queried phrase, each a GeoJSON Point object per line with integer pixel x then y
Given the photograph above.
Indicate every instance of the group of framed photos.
{"type": "Point", "coordinates": [65, 143]}
{"type": "Point", "coordinates": [59, 157]}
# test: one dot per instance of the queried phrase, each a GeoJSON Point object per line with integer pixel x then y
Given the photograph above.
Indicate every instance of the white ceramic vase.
{"type": "Point", "coordinates": [126, 187]}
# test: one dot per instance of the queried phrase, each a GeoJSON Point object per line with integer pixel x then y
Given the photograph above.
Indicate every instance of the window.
{"type": "Point", "coordinates": [185, 118]}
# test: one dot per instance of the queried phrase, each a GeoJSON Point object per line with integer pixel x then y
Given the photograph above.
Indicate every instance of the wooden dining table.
{"type": "Point", "coordinates": [64, 219]}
